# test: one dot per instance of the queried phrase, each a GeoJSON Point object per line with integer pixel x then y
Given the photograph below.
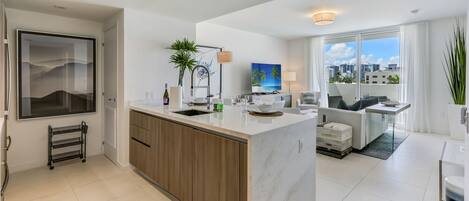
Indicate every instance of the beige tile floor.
{"type": "Point", "coordinates": [409, 175]}
{"type": "Point", "coordinates": [97, 180]}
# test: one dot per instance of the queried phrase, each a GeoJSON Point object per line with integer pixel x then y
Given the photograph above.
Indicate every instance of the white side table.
{"type": "Point", "coordinates": [393, 111]}
{"type": "Point", "coordinates": [451, 163]}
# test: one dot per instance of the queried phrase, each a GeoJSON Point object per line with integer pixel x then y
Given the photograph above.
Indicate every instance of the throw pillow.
{"type": "Point", "coordinates": [356, 106]}
{"type": "Point", "coordinates": [308, 98]}
{"type": "Point", "coordinates": [342, 105]}
{"type": "Point", "coordinates": [368, 102]}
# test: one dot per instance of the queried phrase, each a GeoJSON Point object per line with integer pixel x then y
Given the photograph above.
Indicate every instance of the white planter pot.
{"type": "Point", "coordinates": [456, 129]}
{"type": "Point", "coordinates": [175, 97]}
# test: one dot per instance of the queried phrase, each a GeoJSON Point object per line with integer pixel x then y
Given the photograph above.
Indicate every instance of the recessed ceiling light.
{"type": "Point", "coordinates": [60, 7]}
{"type": "Point", "coordinates": [324, 17]}
{"type": "Point", "coordinates": [415, 11]}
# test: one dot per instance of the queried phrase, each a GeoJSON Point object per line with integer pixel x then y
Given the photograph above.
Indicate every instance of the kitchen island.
{"type": "Point", "coordinates": [224, 156]}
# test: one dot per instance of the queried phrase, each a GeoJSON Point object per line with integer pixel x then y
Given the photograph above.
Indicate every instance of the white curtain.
{"type": "Point", "coordinates": [415, 68]}
{"type": "Point", "coordinates": [317, 74]}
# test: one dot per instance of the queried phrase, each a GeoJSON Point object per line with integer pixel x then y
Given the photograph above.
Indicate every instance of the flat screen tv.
{"type": "Point", "coordinates": [56, 74]}
{"type": "Point", "coordinates": [266, 78]}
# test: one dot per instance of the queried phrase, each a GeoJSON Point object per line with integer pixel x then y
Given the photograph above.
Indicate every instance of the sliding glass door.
{"type": "Point", "coordinates": [341, 66]}
{"type": "Point", "coordinates": [379, 66]}
{"type": "Point", "coordinates": [378, 75]}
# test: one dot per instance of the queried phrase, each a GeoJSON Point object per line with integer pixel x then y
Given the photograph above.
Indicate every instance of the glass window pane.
{"type": "Point", "coordinates": [379, 69]}
{"type": "Point", "coordinates": [340, 63]}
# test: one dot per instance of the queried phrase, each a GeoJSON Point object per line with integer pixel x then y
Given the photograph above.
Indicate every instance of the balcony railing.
{"type": "Point", "coordinates": [348, 91]}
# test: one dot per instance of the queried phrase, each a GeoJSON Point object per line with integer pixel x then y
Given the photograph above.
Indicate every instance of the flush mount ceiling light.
{"type": "Point", "coordinates": [324, 17]}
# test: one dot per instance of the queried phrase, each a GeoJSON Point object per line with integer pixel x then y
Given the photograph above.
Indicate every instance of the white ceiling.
{"type": "Point", "coordinates": [292, 18]}
{"type": "Point", "coordinates": [189, 10]}
{"type": "Point", "coordinates": [73, 8]}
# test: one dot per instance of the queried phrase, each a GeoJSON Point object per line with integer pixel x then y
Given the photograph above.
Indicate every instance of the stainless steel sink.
{"type": "Point", "coordinates": [192, 112]}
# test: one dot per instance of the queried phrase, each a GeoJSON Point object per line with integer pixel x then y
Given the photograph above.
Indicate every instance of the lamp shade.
{"type": "Point", "coordinates": [289, 76]}
{"type": "Point", "coordinates": [324, 18]}
{"type": "Point", "coordinates": [224, 57]}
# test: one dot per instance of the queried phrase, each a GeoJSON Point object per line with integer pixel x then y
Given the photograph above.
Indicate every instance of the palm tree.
{"type": "Point", "coordinates": [275, 73]}
{"type": "Point", "coordinates": [257, 77]}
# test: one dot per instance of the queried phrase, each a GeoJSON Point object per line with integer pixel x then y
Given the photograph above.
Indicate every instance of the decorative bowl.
{"type": "Point", "coordinates": [267, 107]}
{"type": "Point", "coordinates": [391, 103]}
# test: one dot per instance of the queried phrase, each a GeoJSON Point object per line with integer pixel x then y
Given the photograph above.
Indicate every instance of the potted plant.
{"type": "Point", "coordinates": [183, 57]}
{"type": "Point", "coordinates": [455, 70]}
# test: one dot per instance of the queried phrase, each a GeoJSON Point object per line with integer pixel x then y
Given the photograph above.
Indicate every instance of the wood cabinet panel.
{"type": "Point", "coordinates": [162, 155]}
{"type": "Point", "coordinates": [144, 131]}
{"type": "Point", "coordinates": [139, 157]}
{"type": "Point", "coordinates": [243, 172]}
{"type": "Point", "coordinates": [141, 120]}
{"type": "Point", "coordinates": [174, 160]}
{"type": "Point", "coordinates": [191, 164]}
{"type": "Point", "coordinates": [186, 171]}
{"type": "Point", "coordinates": [142, 135]}
{"type": "Point", "coordinates": [216, 168]}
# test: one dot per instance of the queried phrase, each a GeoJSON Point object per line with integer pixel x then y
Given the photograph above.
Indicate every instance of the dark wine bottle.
{"type": "Point", "coordinates": [166, 95]}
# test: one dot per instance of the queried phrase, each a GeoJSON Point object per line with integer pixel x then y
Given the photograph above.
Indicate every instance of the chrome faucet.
{"type": "Point", "coordinates": [208, 83]}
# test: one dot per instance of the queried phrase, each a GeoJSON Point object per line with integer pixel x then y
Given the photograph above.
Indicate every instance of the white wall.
{"type": "Point", "coordinates": [297, 61]}
{"type": "Point", "coordinates": [440, 31]}
{"type": "Point", "coordinates": [247, 48]}
{"type": "Point", "coordinates": [146, 66]}
{"type": "Point", "coordinates": [29, 147]}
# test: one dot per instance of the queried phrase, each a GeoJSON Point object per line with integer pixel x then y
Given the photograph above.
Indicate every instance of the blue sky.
{"type": "Point", "coordinates": [376, 51]}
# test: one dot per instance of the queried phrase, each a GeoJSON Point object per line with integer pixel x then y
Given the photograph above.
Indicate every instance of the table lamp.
{"type": "Point", "coordinates": [289, 77]}
{"type": "Point", "coordinates": [223, 57]}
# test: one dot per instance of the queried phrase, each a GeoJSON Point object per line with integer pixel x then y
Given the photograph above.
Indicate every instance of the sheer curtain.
{"type": "Point", "coordinates": [317, 75]}
{"type": "Point", "coordinates": [415, 75]}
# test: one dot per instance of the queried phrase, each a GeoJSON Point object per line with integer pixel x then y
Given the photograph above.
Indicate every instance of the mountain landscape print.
{"type": "Point", "coordinates": [56, 75]}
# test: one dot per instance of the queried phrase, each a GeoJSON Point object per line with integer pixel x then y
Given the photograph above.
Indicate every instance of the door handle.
{"type": "Point", "coordinates": [464, 119]}
{"type": "Point", "coordinates": [463, 115]}
{"type": "Point", "coordinates": [9, 143]}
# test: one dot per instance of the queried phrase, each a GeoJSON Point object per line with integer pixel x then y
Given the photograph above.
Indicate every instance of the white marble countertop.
{"type": "Point", "coordinates": [232, 121]}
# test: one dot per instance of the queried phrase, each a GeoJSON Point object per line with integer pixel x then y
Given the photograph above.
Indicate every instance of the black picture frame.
{"type": "Point", "coordinates": [72, 101]}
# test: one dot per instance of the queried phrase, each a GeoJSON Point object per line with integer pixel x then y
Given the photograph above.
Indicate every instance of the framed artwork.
{"type": "Point", "coordinates": [207, 56]}
{"type": "Point", "coordinates": [56, 74]}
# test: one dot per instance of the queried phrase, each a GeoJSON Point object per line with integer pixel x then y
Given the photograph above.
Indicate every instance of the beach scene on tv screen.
{"type": "Point", "coordinates": [266, 77]}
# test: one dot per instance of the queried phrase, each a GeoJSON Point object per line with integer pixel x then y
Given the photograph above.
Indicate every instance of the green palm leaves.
{"type": "Point", "coordinates": [183, 56]}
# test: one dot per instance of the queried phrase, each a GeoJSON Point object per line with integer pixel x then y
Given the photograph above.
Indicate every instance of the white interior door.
{"type": "Point", "coordinates": [110, 93]}
{"type": "Point", "coordinates": [466, 152]}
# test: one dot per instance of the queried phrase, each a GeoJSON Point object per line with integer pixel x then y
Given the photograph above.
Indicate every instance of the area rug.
{"type": "Point", "coordinates": [381, 146]}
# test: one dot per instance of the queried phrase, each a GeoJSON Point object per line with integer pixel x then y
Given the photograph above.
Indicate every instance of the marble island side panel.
{"type": "Point", "coordinates": [281, 164]}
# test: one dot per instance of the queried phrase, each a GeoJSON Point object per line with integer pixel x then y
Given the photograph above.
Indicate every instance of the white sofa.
{"type": "Point", "coordinates": [366, 127]}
